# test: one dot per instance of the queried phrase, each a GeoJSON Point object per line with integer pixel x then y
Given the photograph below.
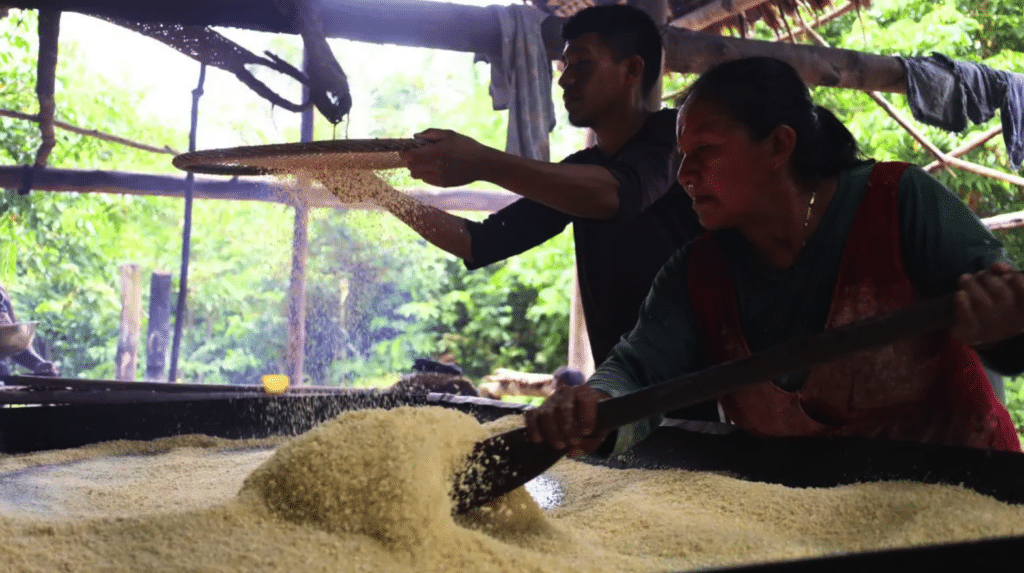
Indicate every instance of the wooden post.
{"type": "Point", "coordinates": [158, 333]}
{"type": "Point", "coordinates": [131, 321]}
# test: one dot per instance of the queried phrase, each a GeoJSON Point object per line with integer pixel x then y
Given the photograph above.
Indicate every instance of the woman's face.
{"type": "Point", "coordinates": [722, 169]}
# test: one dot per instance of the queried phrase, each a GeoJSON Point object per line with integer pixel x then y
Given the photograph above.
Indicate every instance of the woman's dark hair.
{"type": "Point", "coordinates": [764, 93]}
{"type": "Point", "coordinates": [627, 31]}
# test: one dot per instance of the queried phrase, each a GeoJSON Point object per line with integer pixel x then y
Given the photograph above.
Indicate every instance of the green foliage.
{"type": "Point", "coordinates": [377, 295]}
{"type": "Point", "coordinates": [1015, 401]}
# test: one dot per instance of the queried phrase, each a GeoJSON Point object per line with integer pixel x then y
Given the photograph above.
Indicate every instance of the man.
{"type": "Point", "coordinates": [27, 358]}
{"type": "Point", "coordinates": [628, 213]}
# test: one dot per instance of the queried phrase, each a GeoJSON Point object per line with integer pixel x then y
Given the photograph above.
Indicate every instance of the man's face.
{"type": "Point", "coordinates": [592, 81]}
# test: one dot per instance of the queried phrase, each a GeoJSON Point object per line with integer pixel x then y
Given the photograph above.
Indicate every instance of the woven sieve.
{"type": "Point", "coordinates": [350, 154]}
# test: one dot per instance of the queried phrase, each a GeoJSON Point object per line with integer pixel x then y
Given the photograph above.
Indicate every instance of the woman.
{"type": "Point", "coordinates": [805, 236]}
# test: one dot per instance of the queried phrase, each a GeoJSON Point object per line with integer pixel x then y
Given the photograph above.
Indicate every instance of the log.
{"type": "Point", "coordinates": [131, 322]}
{"type": "Point", "coordinates": [694, 52]}
{"type": "Point", "coordinates": [504, 382]}
{"type": "Point", "coordinates": [158, 331]}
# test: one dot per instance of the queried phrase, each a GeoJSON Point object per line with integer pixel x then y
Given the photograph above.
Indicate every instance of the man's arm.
{"type": "Point", "coordinates": [452, 159]}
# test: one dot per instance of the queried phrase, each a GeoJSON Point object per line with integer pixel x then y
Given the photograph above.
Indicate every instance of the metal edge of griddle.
{"type": "Point", "coordinates": [826, 462]}
{"type": "Point", "coordinates": [60, 426]}
{"type": "Point", "coordinates": [994, 555]}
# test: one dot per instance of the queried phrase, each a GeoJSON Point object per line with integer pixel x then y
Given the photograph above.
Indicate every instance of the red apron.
{"type": "Point", "coordinates": [930, 389]}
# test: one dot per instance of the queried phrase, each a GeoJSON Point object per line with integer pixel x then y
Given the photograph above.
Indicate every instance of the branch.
{"type": "Point", "coordinates": [91, 133]}
{"type": "Point", "coordinates": [1005, 221]}
{"type": "Point", "coordinates": [943, 157]}
{"type": "Point", "coordinates": [967, 147]}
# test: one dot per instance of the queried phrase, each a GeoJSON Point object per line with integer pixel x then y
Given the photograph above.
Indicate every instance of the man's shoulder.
{"type": "Point", "coordinates": [587, 156]}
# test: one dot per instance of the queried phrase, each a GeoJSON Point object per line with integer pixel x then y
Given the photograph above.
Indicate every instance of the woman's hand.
{"type": "Point", "coordinates": [567, 419]}
{"type": "Point", "coordinates": [989, 305]}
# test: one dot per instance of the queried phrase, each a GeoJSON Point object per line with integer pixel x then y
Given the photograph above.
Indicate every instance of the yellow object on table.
{"type": "Point", "coordinates": [275, 383]}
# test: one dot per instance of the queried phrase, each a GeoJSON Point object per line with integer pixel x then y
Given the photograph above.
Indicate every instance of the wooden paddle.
{"type": "Point", "coordinates": [504, 462]}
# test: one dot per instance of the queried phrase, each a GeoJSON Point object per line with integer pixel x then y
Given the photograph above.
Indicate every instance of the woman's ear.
{"type": "Point", "coordinates": [782, 142]}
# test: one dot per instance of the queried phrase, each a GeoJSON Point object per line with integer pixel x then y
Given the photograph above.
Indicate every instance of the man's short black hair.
{"type": "Point", "coordinates": [627, 31]}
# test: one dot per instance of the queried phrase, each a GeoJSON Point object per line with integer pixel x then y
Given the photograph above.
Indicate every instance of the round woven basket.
{"type": "Point", "coordinates": [370, 154]}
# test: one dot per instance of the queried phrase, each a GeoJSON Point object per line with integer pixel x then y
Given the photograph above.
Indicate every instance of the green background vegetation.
{"type": "Point", "coordinates": [378, 296]}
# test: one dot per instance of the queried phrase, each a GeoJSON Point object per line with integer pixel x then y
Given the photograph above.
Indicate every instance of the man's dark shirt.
{"type": "Point", "coordinates": [617, 259]}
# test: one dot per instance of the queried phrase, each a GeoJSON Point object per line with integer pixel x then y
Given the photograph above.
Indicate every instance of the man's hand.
{"type": "Point", "coordinates": [989, 306]}
{"type": "Point", "coordinates": [449, 159]}
{"type": "Point", "coordinates": [566, 420]}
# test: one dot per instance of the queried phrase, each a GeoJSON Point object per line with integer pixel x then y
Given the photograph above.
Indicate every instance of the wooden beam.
{"type": "Point", "coordinates": [694, 52]}
{"type": "Point", "coordinates": [248, 189]}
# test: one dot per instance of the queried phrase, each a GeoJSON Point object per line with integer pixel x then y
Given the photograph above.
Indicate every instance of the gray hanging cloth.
{"type": "Point", "coordinates": [521, 81]}
{"type": "Point", "coordinates": [946, 93]}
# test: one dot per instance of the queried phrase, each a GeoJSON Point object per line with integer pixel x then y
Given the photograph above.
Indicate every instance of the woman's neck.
{"type": "Point", "coordinates": [790, 216]}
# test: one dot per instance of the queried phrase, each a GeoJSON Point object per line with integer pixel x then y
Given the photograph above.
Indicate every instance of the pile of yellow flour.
{"type": "Point", "coordinates": [368, 491]}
